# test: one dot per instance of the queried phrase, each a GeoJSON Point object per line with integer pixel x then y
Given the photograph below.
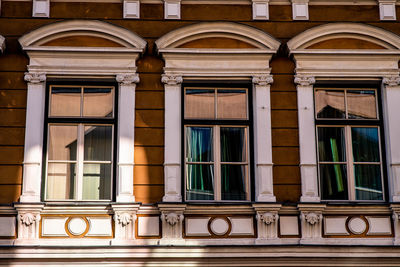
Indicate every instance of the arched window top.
{"type": "Point", "coordinates": [344, 36]}
{"type": "Point", "coordinates": [82, 33]}
{"type": "Point", "coordinates": [217, 35]}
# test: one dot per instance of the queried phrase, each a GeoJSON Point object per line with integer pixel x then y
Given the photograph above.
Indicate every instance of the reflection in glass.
{"type": "Point", "coordinates": [331, 144]}
{"type": "Point", "coordinates": [233, 179]}
{"type": "Point", "coordinates": [62, 142]}
{"type": "Point", "coordinates": [231, 104]}
{"type": "Point", "coordinates": [199, 104]}
{"type": "Point", "coordinates": [98, 143]}
{"type": "Point", "coordinates": [65, 101]}
{"type": "Point", "coordinates": [199, 144]}
{"type": "Point", "coordinates": [60, 181]}
{"type": "Point", "coordinates": [365, 144]}
{"type": "Point", "coordinates": [233, 144]}
{"type": "Point", "coordinates": [361, 104]}
{"type": "Point", "coordinates": [368, 182]}
{"type": "Point", "coordinates": [98, 102]}
{"type": "Point", "coordinates": [96, 181]}
{"type": "Point", "coordinates": [333, 181]}
{"type": "Point", "coordinates": [200, 182]}
{"type": "Point", "coordinates": [330, 104]}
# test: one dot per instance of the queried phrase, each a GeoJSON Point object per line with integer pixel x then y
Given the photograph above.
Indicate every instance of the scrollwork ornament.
{"type": "Point", "coordinates": [393, 80]}
{"type": "Point", "coordinates": [304, 80]}
{"type": "Point", "coordinates": [127, 78]}
{"type": "Point", "coordinates": [263, 80]}
{"type": "Point", "coordinates": [171, 79]}
{"type": "Point", "coordinates": [268, 218]}
{"type": "Point", "coordinates": [29, 218]}
{"type": "Point", "coordinates": [312, 218]}
{"type": "Point", "coordinates": [35, 77]}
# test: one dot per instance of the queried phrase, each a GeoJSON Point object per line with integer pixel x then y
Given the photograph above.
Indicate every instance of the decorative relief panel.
{"type": "Point", "coordinates": [219, 226]}
{"type": "Point", "coordinates": [8, 226]}
{"type": "Point", "coordinates": [148, 227]}
{"type": "Point", "coordinates": [358, 226]}
{"type": "Point", "coordinates": [76, 226]}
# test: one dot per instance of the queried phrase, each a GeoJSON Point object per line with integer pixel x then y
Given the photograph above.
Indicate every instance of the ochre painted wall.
{"type": "Point", "coordinates": [16, 20]}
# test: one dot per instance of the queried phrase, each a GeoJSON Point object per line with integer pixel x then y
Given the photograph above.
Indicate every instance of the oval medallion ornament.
{"type": "Point", "coordinates": [219, 226]}
{"type": "Point", "coordinates": [77, 226]}
{"type": "Point", "coordinates": [357, 225]}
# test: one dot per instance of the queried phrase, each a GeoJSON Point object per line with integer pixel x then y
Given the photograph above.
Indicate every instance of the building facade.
{"type": "Point", "coordinates": [199, 133]}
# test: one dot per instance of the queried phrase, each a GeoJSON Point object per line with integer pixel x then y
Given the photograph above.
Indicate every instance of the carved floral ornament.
{"type": "Point", "coordinates": [35, 77]}
{"type": "Point", "coordinates": [304, 80]}
{"type": "Point", "coordinates": [263, 80]}
{"type": "Point", "coordinates": [29, 218]}
{"type": "Point", "coordinates": [124, 218]}
{"type": "Point", "coordinates": [312, 218]}
{"type": "Point", "coordinates": [267, 217]}
{"type": "Point", "coordinates": [172, 218]}
{"type": "Point", "coordinates": [171, 79]}
{"type": "Point", "coordinates": [393, 80]}
{"type": "Point", "coordinates": [127, 78]}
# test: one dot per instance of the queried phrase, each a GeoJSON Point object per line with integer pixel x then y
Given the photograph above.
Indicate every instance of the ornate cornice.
{"type": "Point", "coordinates": [35, 77]}
{"type": "Point", "coordinates": [304, 80]}
{"type": "Point", "coordinates": [393, 80]}
{"type": "Point", "coordinates": [126, 78]}
{"type": "Point", "coordinates": [171, 79]}
{"type": "Point", "coordinates": [263, 79]}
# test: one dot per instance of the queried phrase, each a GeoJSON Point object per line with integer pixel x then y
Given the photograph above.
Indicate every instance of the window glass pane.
{"type": "Point", "coordinates": [98, 143]}
{"type": "Point", "coordinates": [361, 104]}
{"type": "Point", "coordinates": [199, 104]}
{"type": "Point", "coordinates": [62, 142]}
{"type": "Point", "coordinates": [331, 144]}
{"type": "Point", "coordinates": [60, 181]}
{"type": "Point", "coordinates": [199, 144]}
{"type": "Point", "coordinates": [98, 102]}
{"type": "Point", "coordinates": [233, 144]}
{"type": "Point", "coordinates": [333, 181]}
{"type": "Point", "coordinates": [231, 104]}
{"type": "Point", "coordinates": [365, 144]}
{"type": "Point", "coordinates": [233, 179]}
{"type": "Point", "coordinates": [65, 101]}
{"type": "Point", "coordinates": [96, 181]}
{"type": "Point", "coordinates": [200, 182]}
{"type": "Point", "coordinates": [368, 182]}
{"type": "Point", "coordinates": [330, 104]}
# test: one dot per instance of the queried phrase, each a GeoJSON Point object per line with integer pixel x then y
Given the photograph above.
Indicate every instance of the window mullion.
{"type": "Point", "coordinates": [350, 164]}
{"type": "Point", "coordinates": [217, 163]}
{"type": "Point", "coordinates": [79, 166]}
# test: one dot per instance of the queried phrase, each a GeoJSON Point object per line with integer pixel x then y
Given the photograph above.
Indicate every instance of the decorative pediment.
{"type": "Point", "coordinates": [217, 35]}
{"type": "Point", "coordinates": [344, 36]}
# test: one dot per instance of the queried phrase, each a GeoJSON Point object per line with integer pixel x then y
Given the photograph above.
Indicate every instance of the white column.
{"type": "Point", "coordinates": [262, 139]}
{"type": "Point", "coordinates": [126, 136]}
{"type": "Point", "coordinates": [307, 139]}
{"type": "Point", "coordinates": [172, 138]}
{"type": "Point", "coordinates": [33, 148]}
{"type": "Point", "coordinates": [391, 100]}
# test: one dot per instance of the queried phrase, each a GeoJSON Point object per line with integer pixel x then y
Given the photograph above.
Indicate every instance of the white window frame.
{"type": "Point", "coordinates": [185, 64]}
{"type": "Point", "coordinates": [349, 65]}
{"type": "Point", "coordinates": [96, 63]}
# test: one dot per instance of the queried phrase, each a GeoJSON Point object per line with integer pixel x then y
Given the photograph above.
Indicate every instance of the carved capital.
{"type": "Point", "coordinates": [124, 218]}
{"type": "Point", "coordinates": [35, 77]}
{"type": "Point", "coordinates": [312, 218]}
{"type": "Point", "coordinates": [263, 79]}
{"type": "Point", "coordinates": [172, 218]}
{"type": "Point", "coordinates": [304, 80]}
{"type": "Point", "coordinates": [393, 80]}
{"type": "Point", "coordinates": [267, 217]}
{"type": "Point", "coordinates": [29, 218]}
{"type": "Point", "coordinates": [127, 78]}
{"type": "Point", "coordinates": [171, 79]}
